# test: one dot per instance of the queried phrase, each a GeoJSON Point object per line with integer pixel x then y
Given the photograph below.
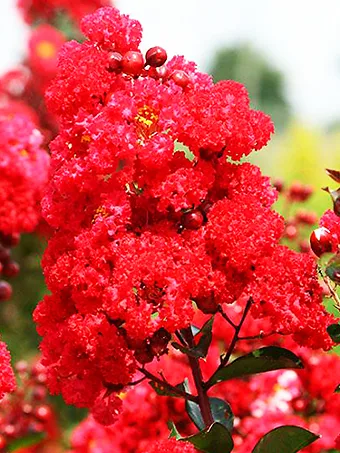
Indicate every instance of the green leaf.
{"type": "Point", "coordinates": [260, 361]}
{"type": "Point", "coordinates": [333, 269]}
{"type": "Point", "coordinates": [285, 439]}
{"type": "Point", "coordinates": [215, 439]}
{"type": "Point", "coordinates": [202, 347]}
{"type": "Point", "coordinates": [337, 390]}
{"type": "Point", "coordinates": [334, 332]}
{"type": "Point", "coordinates": [164, 391]}
{"type": "Point", "coordinates": [173, 431]}
{"type": "Point", "coordinates": [205, 340]}
{"type": "Point", "coordinates": [220, 410]}
{"type": "Point", "coordinates": [27, 441]}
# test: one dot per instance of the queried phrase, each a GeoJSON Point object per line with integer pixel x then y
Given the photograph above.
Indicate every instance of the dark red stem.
{"type": "Point", "coordinates": [203, 399]}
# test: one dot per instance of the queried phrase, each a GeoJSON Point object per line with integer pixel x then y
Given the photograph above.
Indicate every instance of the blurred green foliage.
{"type": "Point", "coordinates": [264, 83]}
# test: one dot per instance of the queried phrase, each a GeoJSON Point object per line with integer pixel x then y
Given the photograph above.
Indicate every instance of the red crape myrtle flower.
{"type": "Point", "coordinates": [46, 10]}
{"type": "Point", "coordinates": [170, 446]}
{"type": "Point", "coordinates": [23, 174]}
{"type": "Point", "coordinates": [149, 216]}
{"type": "Point", "coordinates": [7, 379]}
{"type": "Point", "coordinates": [44, 45]}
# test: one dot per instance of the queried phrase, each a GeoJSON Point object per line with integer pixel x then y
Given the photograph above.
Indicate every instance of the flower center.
{"type": "Point", "coordinates": [46, 50]}
{"type": "Point", "coordinates": [146, 122]}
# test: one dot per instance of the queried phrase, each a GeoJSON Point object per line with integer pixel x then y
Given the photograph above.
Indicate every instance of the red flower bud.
{"type": "Point", "coordinates": [291, 232]}
{"type": "Point", "coordinates": [9, 240]}
{"type": "Point", "coordinates": [115, 62]}
{"type": "Point", "coordinates": [207, 305]}
{"type": "Point", "coordinates": [133, 63]}
{"type": "Point", "coordinates": [156, 56]}
{"type": "Point", "coordinates": [300, 192]}
{"type": "Point", "coordinates": [5, 291]}
{"type": "Point", "coordinates": [43, 413]}
{"type": "Point", "coordinates": [181, 78]}
{"type": "Point", "coordinates": [321, 241]}
{"type": "Point", "coordinates": [192, 220]}
{"type": "Point", "coordinates": [11, 269]}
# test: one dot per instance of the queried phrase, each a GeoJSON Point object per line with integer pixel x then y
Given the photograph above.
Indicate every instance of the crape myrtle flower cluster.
{"type": "Point", "coordinates": [27, 412]}
{"type": "Point", "coordinates": [37, 11]}
{"type": "Point", "coordinates": [299, 220]}
{"type": "Point", "coordinates": [325, 241]}
{"type": "Point", "coordinates": [152, 212]}
{"type": "Point", "coordinates": [260, 403]}
{"type": "Point", "coordinates": [22, 89]}
{"type": "Point", "coordinates": [7, 379]}
{"type": "Point", "coordinates": [23, 174]}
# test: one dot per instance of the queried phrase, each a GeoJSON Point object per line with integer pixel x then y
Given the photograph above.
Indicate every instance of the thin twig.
{"type": "Point", "coordinates": [260, 336]}
{"type": "Point", "coordinates": [226, 317]}
{"type": "Point", "coordinates": [226, 357]}
{"type": "Point", "coordinates": [167, 386]}
{"type": "Point", "coordinates": [334, 294]}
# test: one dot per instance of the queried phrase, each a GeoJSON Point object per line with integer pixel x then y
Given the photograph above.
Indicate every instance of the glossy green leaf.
{"type": "Point", "coordinates": [333, 269]}
{"type": "Point", "coordinates": [260, 361]}
{"type": "Point", "coordinates": [220, 409]}
{"type": "Point", "coordinates": [164, 391]}
{"type": "Point", "coordinates": [173, 431]}
{"type": "Point", "coordinates": [202, 347]}
{"type": "Point", "coordinates": [334, 332]}
{"type": "Point", "coordinates": [27, 441]}
{"type": "Point", "coordinates": [215, 439]}
{"type": "Point", "coordinates": [205, 340]}
{"type": "Point", "coordinates": [285, 439]}
{"type": "Point", "coordinates": [337, 390]}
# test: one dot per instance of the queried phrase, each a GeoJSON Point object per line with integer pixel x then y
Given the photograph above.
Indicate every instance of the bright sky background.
{"type": "Point", "coordinates": [301, 37]}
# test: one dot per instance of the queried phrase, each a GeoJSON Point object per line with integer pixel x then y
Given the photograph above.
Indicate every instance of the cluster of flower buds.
{"type": "Point", "coordinates": [296, 228]}
{"type": "Point", "coordinates": [326, 238]}
{"type": "Point", "coordinates": [26, 412]}
{"type": "Point", "coordinates": [8, 267]}
{"type": "Point", "coordinates": [133, 63]}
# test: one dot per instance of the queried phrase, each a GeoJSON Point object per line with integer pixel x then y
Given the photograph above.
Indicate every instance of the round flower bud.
{"type": "Point", "coordinates": [43, 412]}
{"type": "Point", "coordinates": [159, 341]}
{"type": "Point", "coordinates": [321, 241]}
{"type": "Point", "coordinates": [5, 291]}
{"type": "Point", "coordinates": [192, 220]}
{"type": "Point", "coordinates": [207, 305]}
{"type": "Point", "coordinates": [291, 231]}
{"type": "Point", "coordinates": [115, 62]}
{"type": "Point", "coordinates": [159, 73]}
{"type": "Point", "coordinates": [9, 240]}
{"type": "Point", "coordinates": [181, 78]}
{"type": "Point", "coordinates": [133, 63]}
{"type": "Point", "coordinates": [278, 184]}
{"type": "Point", "coordinates": [300, 192]}
{"type": "Point", "coordinates": [11, 269]}
{"type": "Point", "coordinates": [156, 56]}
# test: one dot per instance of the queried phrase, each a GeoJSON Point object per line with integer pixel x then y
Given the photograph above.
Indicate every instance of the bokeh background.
{"type": "Point", "coordinates": [287, 53]}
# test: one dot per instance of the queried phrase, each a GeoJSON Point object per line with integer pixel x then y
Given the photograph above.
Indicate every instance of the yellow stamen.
{"type": "Point", "coordinates": [86, 139]}
{"type": "Point", "coordinates": [100, 212]}
{"type": "Point", "coordinates": [46, 50]}
{"type": "Point", "coordinates": [146, 122]}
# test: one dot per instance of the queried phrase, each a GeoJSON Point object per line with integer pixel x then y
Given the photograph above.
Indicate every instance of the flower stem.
{"type": "Point", "coordinates": [235, 339]}
{"type": "Point", "coordinates": [203, 399]}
